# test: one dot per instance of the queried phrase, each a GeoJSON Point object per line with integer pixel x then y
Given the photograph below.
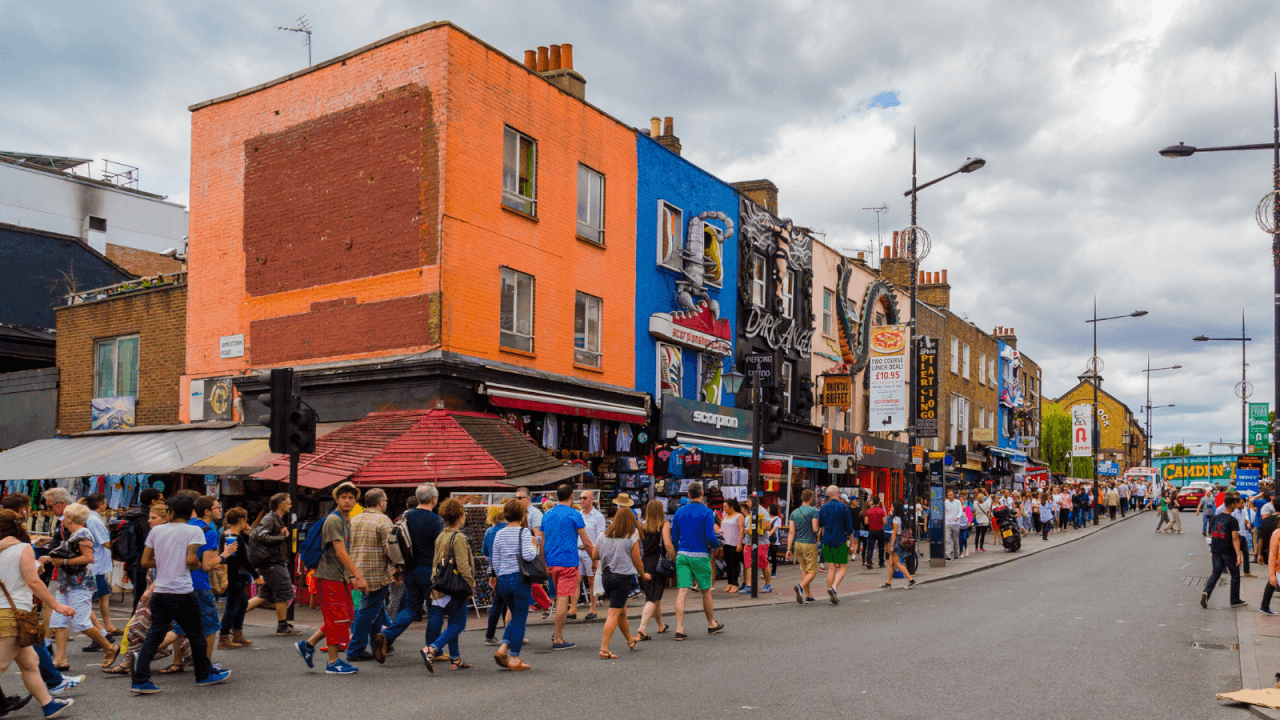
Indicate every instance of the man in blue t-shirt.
{"type": "Point", "coordinates": [836, 526]}
{"type": "Point", "coordinates": [693, 532]}
{"type": "Point", "coordinates": [562, 528]}
{"type": "Point", "coordinates": [208, 511]}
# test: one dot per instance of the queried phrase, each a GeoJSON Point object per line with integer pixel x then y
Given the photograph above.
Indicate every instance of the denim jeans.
{"type": "Point", "coordinates": [48, 672]}
{"type": "Point", "coordinates": [515, 592]}
{"type": "Point", "coordinates": [167, 609]}
{"type": "Point", "coordinates": [456, 613]}
{"type": "Point", "coordinates": [1204, 524]}
{"type": "Point", "coordinates": [369, 621]}
{"type": "Point", "coordinates": [417, 589]}
{"type": "Point", "coordinates": [496, 613]}
{"type": "Point", "coordinates": [1224, 561]}
{"type": "Point", "coordinates": [237, 603]}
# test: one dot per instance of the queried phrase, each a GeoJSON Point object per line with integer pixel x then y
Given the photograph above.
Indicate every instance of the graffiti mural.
{"type": "Point", "coordinates": [855, 331]}
{"type": "Point", "coordinates": [670, 370]}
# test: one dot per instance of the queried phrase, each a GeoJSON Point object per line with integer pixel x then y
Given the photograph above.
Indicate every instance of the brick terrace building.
{"type": "Point", "coordinates": [1121, 437]}
{"type": "Point", "coordinates": [126, 342]}
{"type": "Point", "coordinates": [401, 224]}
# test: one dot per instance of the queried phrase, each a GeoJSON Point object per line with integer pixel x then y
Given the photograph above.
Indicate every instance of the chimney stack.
{"type": "Point", "coordinates": [667, 138]}
{"type": "Point", "coordinates": [555, 64]}
{"type": "Point", "coordinates": [762, 192]}
{"type": "Point", "coordinates": [936, 291]}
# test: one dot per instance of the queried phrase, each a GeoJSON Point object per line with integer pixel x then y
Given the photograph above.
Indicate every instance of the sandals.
{"type": "Point", "coordinates": [63, 668]}
{"type": "Point", "coordinates": [120, 669]}
{"type": "Point", "coordinates": [519, 666]}
{"type": "Point", "coordinates": [589, 617]}
{"type": "Point", "coordinates": [631, 644]}
{"type": "Point", "coordinates": [502, 658]}
{"type": "Point", "coordinates": [606, 655]}
{"type": "Point", "coordinates": [663, 629]}
{"type": "Point", "coordinates": [109, 657]}
{"type": "Point", "coordinates": [458, 664]}
{"type": "Point", "coordinates": [173, 670]}
{"type": "Point", "coordinates": [642, 636]}
{"type": "Point", "coordinates": [428, 659]}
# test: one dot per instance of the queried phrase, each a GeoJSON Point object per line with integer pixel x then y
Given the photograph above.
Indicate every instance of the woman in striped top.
{"type": "Point", "coordinates": [510, 544]}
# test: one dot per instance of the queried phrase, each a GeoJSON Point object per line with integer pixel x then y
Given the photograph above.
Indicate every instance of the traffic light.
{"type": "Point", "coordinates": [772, 419]}
{"type": "Point", "coordinates": [279, 402]}
{"type": "Point", "coordinates": [961, 454]}
{"type": "Point", "coordinates": [300, 431]}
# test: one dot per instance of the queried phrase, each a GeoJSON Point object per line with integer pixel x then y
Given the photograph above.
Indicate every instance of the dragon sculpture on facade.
{"type": "Point", "coordinates": [855, 333]}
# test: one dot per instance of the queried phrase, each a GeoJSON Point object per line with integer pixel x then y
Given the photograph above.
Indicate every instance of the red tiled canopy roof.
{"type": "Point", "coordinates": [409, 447]}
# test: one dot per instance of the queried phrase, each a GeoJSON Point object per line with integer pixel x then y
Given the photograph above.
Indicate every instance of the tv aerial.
{"type": "Point", "coordinates": [304, 27]}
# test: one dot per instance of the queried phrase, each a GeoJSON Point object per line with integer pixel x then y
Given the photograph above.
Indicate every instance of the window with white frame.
{"type": "Point", "coordinates": [982, 364]}
{"type": "Point", "coordinates": [516, 311]}
{"type": "Point", "coordinates": [115, 372]}
{"type": "Point", "coordinates": [670, 235]}
{"type": "Point", "coordinates": [788, 293]}
{"type": "Point", "coordinates": [590, 204]}
{"type": "Point", "coordinates": [586, 329]}
{"type": "Point", "coordinates": [964, 360]}
{"type": "Point", "coordinates": [828, 312]}
{"type": "Point", "coordinates": [757, 281]}
{"type": "Point", "coordinates": [955, 356]}
{"type": "Point", "coordinates": [519, 171]}
{"type": "Point", "coordinates": [788, 371]}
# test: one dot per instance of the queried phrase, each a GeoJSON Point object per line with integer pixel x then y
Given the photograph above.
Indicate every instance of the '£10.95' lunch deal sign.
{"type": "Point", "coordinates": [888, 369]}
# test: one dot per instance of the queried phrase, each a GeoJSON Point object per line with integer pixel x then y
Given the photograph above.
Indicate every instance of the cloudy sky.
{"type": "Point", "coordinates": [1067, 102]}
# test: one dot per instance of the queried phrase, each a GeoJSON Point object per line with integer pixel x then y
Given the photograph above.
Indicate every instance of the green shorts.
{"type": "Point", "coordinates": [690, 569]}
{"type": "Point", "coordinates": [835, 555]}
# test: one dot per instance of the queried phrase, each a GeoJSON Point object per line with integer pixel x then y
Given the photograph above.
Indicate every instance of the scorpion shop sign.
{"type": "Point", "coordinates": [781, 333]}
{"type": "Point", "coordinates": [888, 369]}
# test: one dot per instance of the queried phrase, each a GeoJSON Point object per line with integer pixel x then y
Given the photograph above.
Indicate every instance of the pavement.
{"type": "Point", "coordinates": [1099, 623]}
{"type": "Point", "coordinates": [1258, 636]}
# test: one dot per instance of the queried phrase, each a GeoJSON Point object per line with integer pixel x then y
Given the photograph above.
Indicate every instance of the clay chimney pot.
{"type": "Point", "coordinates": [554, 59]}
{"type": "Point", "coordinates": [668, 126]}
{"type": "Point", "coordinates": [944, 277]}
{"type": "Point", "coordinates": [531, 59]}
{"type": "Point", "coordinates": [543, 60]}
{"type": "Point", "coordinates": [655, 127]}
{"type": "Point", "coordinates": [566, 56]}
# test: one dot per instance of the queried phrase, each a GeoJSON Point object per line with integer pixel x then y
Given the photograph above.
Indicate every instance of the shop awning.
{"type": "Point", "coordinates": [1013, 455]}
{"type": "Point", "coordinates": [730, 449]}
{"type": "Point", "coordinates": [509, 396]}
{"type": "Point", "coordinates": [406, 448]}
{"type": "Point", "coordinates": [249, 457]}
{"type": "Point", "coordinates": [152, 450]}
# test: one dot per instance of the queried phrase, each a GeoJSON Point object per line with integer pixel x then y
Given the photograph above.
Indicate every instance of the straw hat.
{"type": "Point", "coordinates": [623, 500]}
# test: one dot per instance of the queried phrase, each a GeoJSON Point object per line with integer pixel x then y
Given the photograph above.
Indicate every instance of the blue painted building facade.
{"type": "Point", "coordinates": [686, 277]}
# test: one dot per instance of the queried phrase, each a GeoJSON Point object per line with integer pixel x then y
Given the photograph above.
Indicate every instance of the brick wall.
{"type": "Point", "coordinates": [1114, 418]}
{"type": "Point", "coordinates": [158, 317]}
{"type": "Point", "coordinates": [942, 324]}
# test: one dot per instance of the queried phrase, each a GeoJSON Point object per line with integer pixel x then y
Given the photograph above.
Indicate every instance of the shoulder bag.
{"type": "Point", "coordinates": [27, 622]}
{"type": "Point", "coordinates": [666, 566]}
{"type": "Point", "coordinates": [446, 579]}
{"type": "Point", "coordinates": [531, 571]}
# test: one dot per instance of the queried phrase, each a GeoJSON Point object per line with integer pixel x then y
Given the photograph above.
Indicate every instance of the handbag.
{"type": "Point", "coordinates": [531, 571]}
{"type": "Point", "coordinates": [30, 628]}
{"type": "Point", "coordinates": [666, 567]}
{"type": "Point", "coordinates": [446, 579]}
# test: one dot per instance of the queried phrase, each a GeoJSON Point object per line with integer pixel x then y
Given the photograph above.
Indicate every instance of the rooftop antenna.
{"type": "Point", "coordinates": [304, 27]}
{"type": "Point", "coordinates": [879, 241]}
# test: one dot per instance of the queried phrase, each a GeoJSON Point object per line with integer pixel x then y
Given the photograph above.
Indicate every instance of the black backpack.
{"type": "Point", "coordinates": [124, 543]}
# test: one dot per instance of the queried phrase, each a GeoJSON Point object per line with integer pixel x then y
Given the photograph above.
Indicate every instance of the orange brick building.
{"type": "Point", "coordinates": [422, 222]}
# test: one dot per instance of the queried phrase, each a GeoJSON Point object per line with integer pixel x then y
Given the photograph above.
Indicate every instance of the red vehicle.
{"type": "Point", "coordinates": [1190, 496]}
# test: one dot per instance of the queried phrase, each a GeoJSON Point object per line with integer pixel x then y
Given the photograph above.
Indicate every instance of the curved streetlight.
{"type": "Point", "coordinates": [1268, 217]}
{"type": "Point", "coordinates": [1245, 391]}
{"type": "Point", "coordinates": [1097, 379]}
{"type": "Point", "coordinates": [914, 234]}
{"type": "Point", "coordinates": [1148, 371]}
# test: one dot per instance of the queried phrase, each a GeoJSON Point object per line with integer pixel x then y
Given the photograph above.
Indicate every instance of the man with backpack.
{"type": "Point", "coordinates": [325, 550]}
{"type": "Point", "coordinates": [422, 526]}
{"type": "Point", "coordinates": [370, 533]}
{"type": "Point", "coordinates": [129, 537]}
{"type": "Point", "coordinates": [268, 553]}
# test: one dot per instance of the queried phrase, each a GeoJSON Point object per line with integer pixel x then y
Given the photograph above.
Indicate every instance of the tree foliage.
{"type": "Point", "coordinates": [1178, 450]}
{"type": "Point", "coordinates": [1055, 436]}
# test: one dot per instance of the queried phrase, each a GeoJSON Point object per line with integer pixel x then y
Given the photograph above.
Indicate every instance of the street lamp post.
{"type": "Point", "coordinates": [1149, 409]}
{"type": "Point", "coordinates": [1268, 221]}
{"type": "Point", "coordinates": [914, 234]}
{"type": "Point", "coordinates": [1148, 371]}
{"type": "Point", "coordinates": [1093, 368]}
{"type": "Point", "coordinates": [1245, 391]}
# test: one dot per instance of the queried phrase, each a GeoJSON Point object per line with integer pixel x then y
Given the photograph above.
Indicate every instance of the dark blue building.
{"type": "Point", "coordinates": [686, 277]}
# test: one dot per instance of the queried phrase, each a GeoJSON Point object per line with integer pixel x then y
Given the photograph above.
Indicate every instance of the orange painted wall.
{"type": "Point", "coordinates": [474, 90]}
{"type": "Point", "coordinates": [488, 90]}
